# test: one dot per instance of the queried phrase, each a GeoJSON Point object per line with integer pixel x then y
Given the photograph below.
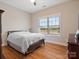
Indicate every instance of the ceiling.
{"type": "Point", "coordinates": [26, 5]}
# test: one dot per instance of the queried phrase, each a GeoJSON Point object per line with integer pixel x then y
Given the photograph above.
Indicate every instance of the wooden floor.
{"type": "Point", "coordinates": [49, 51]}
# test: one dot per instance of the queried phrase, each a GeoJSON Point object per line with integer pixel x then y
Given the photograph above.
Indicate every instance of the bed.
{"type": "Point", "coordinates": [25, 42]}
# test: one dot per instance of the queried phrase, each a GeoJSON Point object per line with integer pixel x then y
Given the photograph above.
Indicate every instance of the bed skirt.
{"type": "Point", "coordinates": [31, 48]}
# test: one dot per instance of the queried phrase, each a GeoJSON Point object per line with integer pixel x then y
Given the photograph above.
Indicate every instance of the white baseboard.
{"type": "Point", "coordinates": [63, 44]}
{"type": "Point", "coordinates": [4, 45]}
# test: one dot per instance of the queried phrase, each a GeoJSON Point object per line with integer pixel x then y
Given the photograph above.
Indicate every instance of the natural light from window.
{"type": "Point", "coordinates": [50, 25]}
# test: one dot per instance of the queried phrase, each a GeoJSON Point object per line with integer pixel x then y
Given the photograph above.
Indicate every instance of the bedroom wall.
{"type": "Point", "coordinates": [13, 19]}
{"type": "Point", "coordinates": [69, 20]}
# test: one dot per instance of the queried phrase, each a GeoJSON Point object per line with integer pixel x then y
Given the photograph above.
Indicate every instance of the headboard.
{"type": "Point", "coordinates": [9, 32]}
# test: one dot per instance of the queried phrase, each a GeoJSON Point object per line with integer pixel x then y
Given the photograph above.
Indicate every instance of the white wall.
{"type": "Point", "coordinates": [13, 19]}
{"type": "Point", "coordinates": [69, 21]}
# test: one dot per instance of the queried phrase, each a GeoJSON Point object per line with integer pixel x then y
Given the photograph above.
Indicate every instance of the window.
{"type": "Point", "coordinates": [43, 25]}
{"type": "Point", "coordinates": [50, 25]}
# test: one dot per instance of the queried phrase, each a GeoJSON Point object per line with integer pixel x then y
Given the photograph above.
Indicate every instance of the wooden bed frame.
{"type": "Point", "coordinates": [32, 47]}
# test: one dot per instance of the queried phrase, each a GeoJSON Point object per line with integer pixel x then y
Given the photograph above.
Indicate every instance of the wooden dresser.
{"type": "Point", "coordinates": [73, 47]}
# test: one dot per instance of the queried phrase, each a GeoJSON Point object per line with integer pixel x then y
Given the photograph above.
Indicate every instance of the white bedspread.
{"type": "Point", "coordinates": [24, 39]}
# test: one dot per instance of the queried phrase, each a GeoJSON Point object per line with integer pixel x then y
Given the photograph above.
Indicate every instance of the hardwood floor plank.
{"type": "Point", "coordinates": [49, 51]}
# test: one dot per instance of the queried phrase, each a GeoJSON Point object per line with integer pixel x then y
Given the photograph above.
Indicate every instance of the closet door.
{"type": "Point", "coordinates": [1, 56]}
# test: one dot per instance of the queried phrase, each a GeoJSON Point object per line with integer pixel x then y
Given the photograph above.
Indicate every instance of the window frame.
{"type": "Point", "coordinates": [58, 14]}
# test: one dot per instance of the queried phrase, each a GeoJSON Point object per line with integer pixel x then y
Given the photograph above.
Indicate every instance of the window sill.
{"type": "Point", "coordinates": [52, 35]}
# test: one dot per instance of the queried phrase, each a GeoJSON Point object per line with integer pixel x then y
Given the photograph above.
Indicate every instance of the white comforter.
{"type": "Point", "coordinates": [24, 39]}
